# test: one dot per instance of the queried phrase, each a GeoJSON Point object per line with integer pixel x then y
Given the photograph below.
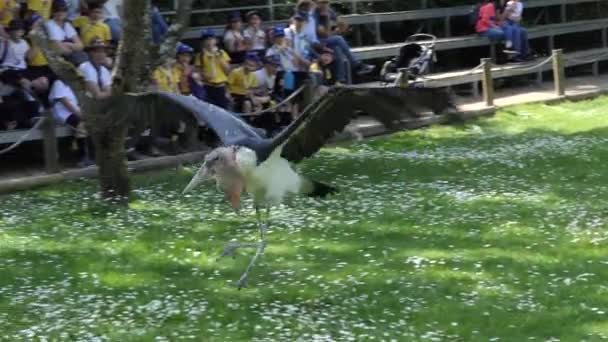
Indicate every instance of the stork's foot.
{"type": "Point", "coordinates": [242, 282]}
{"type": "Point", "coordinates": [231, 248]}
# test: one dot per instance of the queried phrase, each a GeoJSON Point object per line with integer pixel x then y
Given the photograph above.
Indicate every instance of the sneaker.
{"type": "Point", "coordinates": [510, 52]}
{"type": "Point", "coordinates": [364, 69]}
{"type": "Point", "coordinates": [85, 162]}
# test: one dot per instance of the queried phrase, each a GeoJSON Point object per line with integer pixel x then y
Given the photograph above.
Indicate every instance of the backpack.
{"type": "Point", "coordinates": [474, 15]}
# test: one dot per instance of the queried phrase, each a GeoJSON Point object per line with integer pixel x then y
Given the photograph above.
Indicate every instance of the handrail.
{"type": "Point", "coordinates": [277, 106]}
{"type": "Point", "coordinates": [23, 137]}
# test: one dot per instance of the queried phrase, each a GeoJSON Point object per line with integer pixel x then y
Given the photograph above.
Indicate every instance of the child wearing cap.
{"type": "Point", "coordinates": [214, 65]}
{"type": "Point", "coordinates": [97, 77]}
{"type": "Point", "coordinates": [183, 68]}
{"type": "Point", "coordinates": [242, 82]}
{"type": "Point", "coordinates": [92, 27]}
{"type": "Point", "coordinates": [234, 42]}
{"type": "Point", "coordinates": [255, 37]}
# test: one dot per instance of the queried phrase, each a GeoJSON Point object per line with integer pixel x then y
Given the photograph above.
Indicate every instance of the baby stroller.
{"type": "Point", "coordinates": [417, 55]}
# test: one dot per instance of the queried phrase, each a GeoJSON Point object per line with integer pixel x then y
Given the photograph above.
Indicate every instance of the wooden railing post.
{"type": "Point", "coordinates": [308, 94]}
{"type": "Point", "coordinates": [487, 82]}
{"type": "Point", "coordinates": [49, 139]}
{"type": "Point", "coordinates": [559, 72]}
{"type": "Point", "coordinates": [403, 78]}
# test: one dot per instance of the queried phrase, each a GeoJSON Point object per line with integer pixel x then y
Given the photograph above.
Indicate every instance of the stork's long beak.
{"type": "Point", "coordinates": [201, 176]}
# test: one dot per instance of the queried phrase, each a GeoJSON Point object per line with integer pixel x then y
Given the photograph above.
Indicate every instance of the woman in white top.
{"type": "Point", "coordinates": [63, 34]}
{"type": "Point", "coordinates": [234, 42]}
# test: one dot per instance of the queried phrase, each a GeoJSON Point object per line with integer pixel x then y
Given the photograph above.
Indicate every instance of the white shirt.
{"type": "Point", "coordinates": [257, 37]}
{"type": "Point", "coordinates": [60, 33]}
{"type": "Point", "coordinates": [516, 8]}
{"type": "Point", "coordinates": [112, 9]}
{"type": "Point", "coordinates": [287, 57]}
{"type": "Point", "coordinates": [300, 43]}
{"type": "Point", "coordinates": [73, 9]}
{"type": "Point", "coordinates": [60, 90]}
{"type": "Point", "coordinates": [15, 55]}
{"type": "Point", "coordinates": [103, 78]}
{"type": "Point", "coordinates": [231, 39]}
{"type": "Point", "coordinates": [311, 28]}
{"type": "Point", "coordinates": [264, 81]}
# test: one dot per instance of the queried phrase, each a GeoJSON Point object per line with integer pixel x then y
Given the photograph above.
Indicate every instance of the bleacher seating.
{"type": "Point", "coordinates": [447, 43]}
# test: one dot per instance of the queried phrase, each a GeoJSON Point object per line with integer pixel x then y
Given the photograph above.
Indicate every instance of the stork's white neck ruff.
{"type": "Point", "coordinates": [269, 181]}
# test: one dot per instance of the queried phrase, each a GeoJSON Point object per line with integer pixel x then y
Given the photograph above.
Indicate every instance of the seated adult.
{"type": "Point", "coordinates": [63, 34]}
{"type": "Point", "coordinates": [330, 38]}
{"type": "Point", "coordinates": [8, 12]}
{"type": "Point", "coordinates": [112, 10]}
{"type": "Point", "coordinates": [487, 24]}
{"type": "Point", "coordinates": [517, 34]}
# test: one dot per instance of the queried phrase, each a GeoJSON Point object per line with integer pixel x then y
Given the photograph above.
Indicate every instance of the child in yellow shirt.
{"type": "Point", "coordinates": [93, 28]}
{"type": "Point", "coordinates": [184, 70]}
{"type": "Point", "coordinates": [242, 82]}
{"type": "Point", "coordinates": [8, 9]}
{"type": "Point", "coordinates": [40, 7]}
{"type": "Point", "coordinates": [214, 66]}
{"type": "Point", "coordinates": [164, 79]}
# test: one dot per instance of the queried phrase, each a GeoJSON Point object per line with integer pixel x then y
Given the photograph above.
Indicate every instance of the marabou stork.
{"type": "Point", "coordinates": [261, 166]}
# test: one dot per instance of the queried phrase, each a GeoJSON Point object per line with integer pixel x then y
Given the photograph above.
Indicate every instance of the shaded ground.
{"type": "Point", "coordinates": [493, 231]}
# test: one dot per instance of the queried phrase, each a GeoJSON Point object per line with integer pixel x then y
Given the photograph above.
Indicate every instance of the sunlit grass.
{"type": "Point", "coordinates": [493, 230]}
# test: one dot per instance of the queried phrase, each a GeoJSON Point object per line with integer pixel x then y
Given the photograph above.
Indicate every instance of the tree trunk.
{"type": "Point", "coordinates": [111, 159]}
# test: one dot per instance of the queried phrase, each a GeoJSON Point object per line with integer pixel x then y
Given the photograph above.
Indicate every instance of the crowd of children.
{"type": "Point", "coordinates": [250, 68]}
{"type": "Point", "coordinates": [246, 70]}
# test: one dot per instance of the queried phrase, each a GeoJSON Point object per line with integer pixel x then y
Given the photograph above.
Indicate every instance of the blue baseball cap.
{"type": "Point", "coordinates": [207, 33]}
{"type": "Point", "coordinates": [278, 32]}
{"type": "Point", "coordinates": [252, 56]}
{"type": "Point", "coordinates": [183, 48]}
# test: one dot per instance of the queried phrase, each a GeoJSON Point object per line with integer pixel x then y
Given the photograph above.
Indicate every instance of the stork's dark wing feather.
{"type": "Point", "coordinates": [329, 115]}
{"type": "Point", "coordinates": [168, 107]}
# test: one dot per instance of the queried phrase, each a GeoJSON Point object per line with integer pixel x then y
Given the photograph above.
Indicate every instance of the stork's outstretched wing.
{"type": "Point", "coordinates": [166, 107]}
{"type": "Point", "coordinates": [329, 115]}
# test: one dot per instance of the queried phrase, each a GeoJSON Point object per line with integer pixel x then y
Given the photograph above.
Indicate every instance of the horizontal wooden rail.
{"type": "Point", "coordinates": [552, 30]}
{"type": "Point", "coordinates": [423, 14]}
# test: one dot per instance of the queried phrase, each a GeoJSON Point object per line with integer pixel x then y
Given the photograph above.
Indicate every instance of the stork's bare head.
{"type": "Point", "coordinates": [219, 162]}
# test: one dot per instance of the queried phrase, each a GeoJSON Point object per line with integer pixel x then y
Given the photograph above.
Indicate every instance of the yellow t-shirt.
{"type": "Point", "coordinates": [42, 7]}
{"type": "Point", "coordinates": [79, 22]}
{"type": "Point", "coordinates": [7, 11]}
{"type": "Point", "coordinates": [211, 65]}
{"type": "Point", "coordinates": [181, 77]}
{"type": "Point", "coordinates": [240, 82]}
{"type": "Point", "coordinates": [165, 80]}
{"type": "Point", "coordinates": [95, 31]}
{"type": "Point", "coordinates": [38, 59]}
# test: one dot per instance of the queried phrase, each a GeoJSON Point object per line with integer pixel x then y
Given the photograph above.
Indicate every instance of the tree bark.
{"type": "Point", "coordinates": [111, 159]}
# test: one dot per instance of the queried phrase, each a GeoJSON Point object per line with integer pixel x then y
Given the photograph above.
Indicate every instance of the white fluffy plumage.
{"type": "Point", "coordinates": [270, 181]}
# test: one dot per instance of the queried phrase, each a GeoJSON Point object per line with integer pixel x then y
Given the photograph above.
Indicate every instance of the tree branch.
{"type": "Point", "coordinates": [62, 68]}
{"type": "Point", "coordinates": [132, 61]}
{"type": "Point", "coordinates": [175, 33]}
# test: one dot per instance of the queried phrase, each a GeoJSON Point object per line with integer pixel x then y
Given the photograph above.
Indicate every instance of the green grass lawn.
{"type": "Point", "coordinates": [491, 231]}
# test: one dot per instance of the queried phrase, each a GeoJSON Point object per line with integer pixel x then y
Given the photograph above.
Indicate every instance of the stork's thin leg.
{"type": "Point", "coordinates": [263, 227]}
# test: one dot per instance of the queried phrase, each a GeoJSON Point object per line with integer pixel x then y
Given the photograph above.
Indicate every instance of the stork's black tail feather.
{"type": "Point", "coordinates": [321, 190]}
